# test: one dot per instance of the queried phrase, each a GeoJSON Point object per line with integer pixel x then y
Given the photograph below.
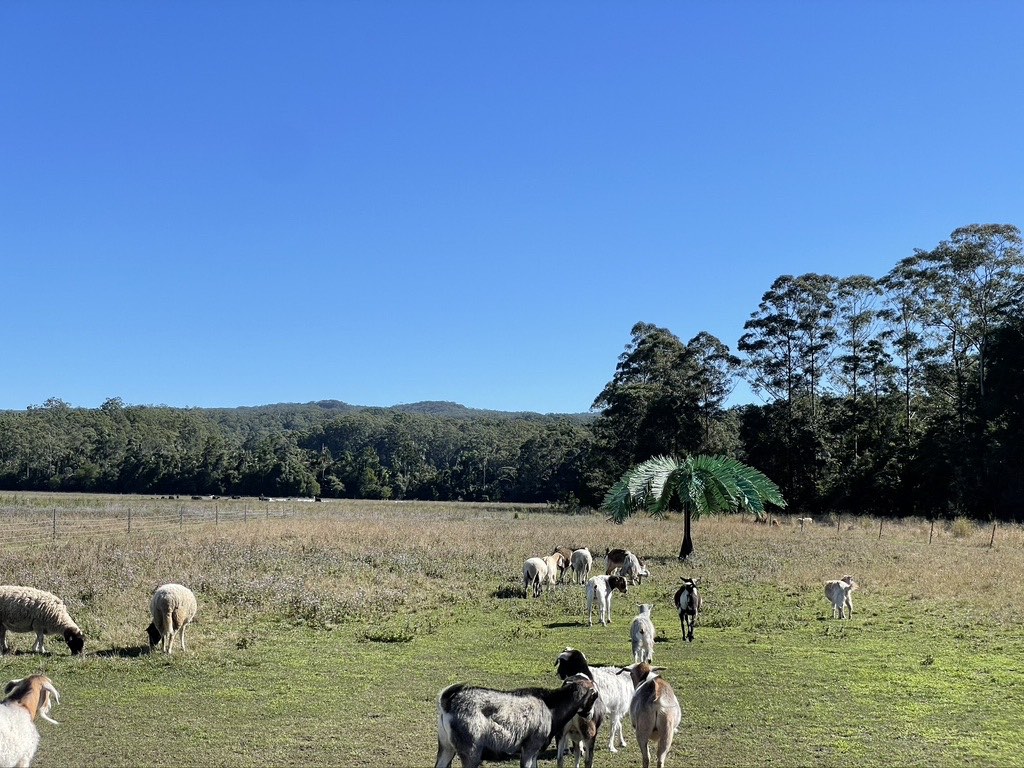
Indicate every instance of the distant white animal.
{"type": "Point", "coordinates": [838, 592]}
{"type": "Point", "coordinates": [582, 562]}
{"type": "Point", "coordinates": [600, 590]}
{"type": "Point", "coordinates": [535, 575]}
{"type": "Point", "coordinates": [24, 699]}
{"type": "Point", "coordinates": [641, 634]}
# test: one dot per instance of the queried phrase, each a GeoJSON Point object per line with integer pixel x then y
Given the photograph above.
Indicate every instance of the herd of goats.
{"type": "Point", "coordinates": [474, 723]}
{"type": "Point", "coordinates": [477, 723]}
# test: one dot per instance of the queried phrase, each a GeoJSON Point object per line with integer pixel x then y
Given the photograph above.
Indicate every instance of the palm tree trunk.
{"type": "Point", "coordinates": [687, 547]}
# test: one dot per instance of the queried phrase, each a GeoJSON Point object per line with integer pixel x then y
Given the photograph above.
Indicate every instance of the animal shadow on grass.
{"type": "Point", "coordinates": [508, 593]}
{"type": "Point", "coordinates": [128, 652]}
{"type": "Point", "coordinates": [564, 624]}
{"type": "Point", "coordinates": [492, 757]}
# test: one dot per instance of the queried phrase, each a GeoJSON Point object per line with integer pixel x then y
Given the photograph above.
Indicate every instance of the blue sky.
{"type": "Point", "coordinates": [239, 203]}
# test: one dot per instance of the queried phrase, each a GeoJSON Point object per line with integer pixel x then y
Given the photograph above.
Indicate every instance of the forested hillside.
{"type": "Point", "coordinates": [891, 396]}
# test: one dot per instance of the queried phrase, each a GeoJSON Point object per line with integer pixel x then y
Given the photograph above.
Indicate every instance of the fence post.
{"type": "Point", "coordinates": [993, 539]}
{"type": "Point", "coordinates": [268, 510]}
{"type": "Point", "coordinates": [839, 524]}
{"type": "Point", "coordinates": [54, 523]}
{"type": "Point", "coordinates": [129, 521]}
{"type": "Point", "coordinates": [216, 514]}
{"type": "Point", "coordinates": [181, 516]}
{"type": "Point", "coordinates": [931, 531]}
{"type": "Point", "coordinates": [245, 513]}
{"type": "Point", "coordinates": [880, 522]}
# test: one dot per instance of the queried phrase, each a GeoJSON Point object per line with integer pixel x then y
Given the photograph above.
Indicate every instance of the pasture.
{"type": "Point", "coordinates": [325, 632]}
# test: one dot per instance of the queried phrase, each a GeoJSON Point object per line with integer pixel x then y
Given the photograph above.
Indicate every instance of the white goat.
{"type": "Point", "coordinates": [654, 711]}
{"type": "Point", "coordinates": [615, 690]}
{"type": "Point", "coordinates": [599, 590]}
{"type": "Point", "coordinates": [566, 553]}
{"type": "Point", "coordinates": [471, 720]}
{"type": "Point", "coordinates": [24, 699]}
{"type": "Point", "coordinates": [172, 607]}
{"type": "Point", "coordinates": [556, 564]}
{"type": "Point", "coordinates": [839, 592]}
{"type": "Point", "coordinates": [535, 575]}
{"type": "Point", "coordinates": [582, 563]}
{"type": "Point", "coordinates": [641, 634]}
{"type": "Point", "coordinates": [25, 609]}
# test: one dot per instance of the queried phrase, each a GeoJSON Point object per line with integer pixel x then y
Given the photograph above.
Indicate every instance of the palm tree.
{"type": "Point", "coordinates": [697, 484]}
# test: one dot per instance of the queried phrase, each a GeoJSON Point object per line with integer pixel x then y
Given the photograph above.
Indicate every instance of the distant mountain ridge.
{"type": "Point", "coordinates": [440, 408]}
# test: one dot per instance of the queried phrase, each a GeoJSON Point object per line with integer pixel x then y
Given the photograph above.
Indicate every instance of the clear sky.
{"type": "Point", "coordinates": [230, 203]}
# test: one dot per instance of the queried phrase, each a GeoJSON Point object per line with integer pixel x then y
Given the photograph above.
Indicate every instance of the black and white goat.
{"type": "Point", "coordinates": [688, 602]}
{"type": "Point", "coordinates": [472, 720]}
{"type": "Point", "coordinates": [615, 690]}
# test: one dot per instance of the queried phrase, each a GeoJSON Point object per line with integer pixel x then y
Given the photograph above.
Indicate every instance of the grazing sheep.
{"type": "Point", "coordinates": [839, 592]}
{"type": "Point", "coordinates": [688, 603]}
{"type": "Point", "coordinates": [535, 575]}
{"type": "Point", "coordinates": [805, 521]}
{"type": "Point", "coordinates": [24, 609]}
{"type": "Point", "coordinates": [24, 700]}
{"type": "Point", "coordinates": [600, 589]}
{"type": "Point", "coordinates": [626, 564]}
{"type": "Point", "coordinates": [473, 720]}
{"type": "Point", "coordinates": [641, 634]}
{"type": "Point", "coordinates": [654, 711]}
{"type": "Point", "coordinates": [172, 607]}
{"type": "Point", "coordinates": [566, 553]}
{"type": "Point", "coordinates": [615, 691]}
{"type": "Point", "coordinates": [582, 562]}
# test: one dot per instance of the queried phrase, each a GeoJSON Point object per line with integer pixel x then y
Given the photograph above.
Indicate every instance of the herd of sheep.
{"type": "Point", "coordinates": [26, 609]}
{"type": "Point", "coordinates": [477, 722]}
{"type": "Point", "coordinates": [473, 722]}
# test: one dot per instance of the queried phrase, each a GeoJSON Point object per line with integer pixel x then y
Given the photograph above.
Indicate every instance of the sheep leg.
{"type": "Point", "coordinates": [445, 755]}
{"type": "Point", "coordinates": [182, 631]}
{"type": "Point", "coordinates": [3, 640]}
{"type": "Point", "coordinates": [40, 646]}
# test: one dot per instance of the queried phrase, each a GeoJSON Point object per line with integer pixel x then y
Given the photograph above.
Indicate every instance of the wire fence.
{"type": "Point", "coordinates": [22, 524]}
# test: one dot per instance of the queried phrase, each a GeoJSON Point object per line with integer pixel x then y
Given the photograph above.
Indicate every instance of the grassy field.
{"type": "Point", "coordinates": [325, 634]}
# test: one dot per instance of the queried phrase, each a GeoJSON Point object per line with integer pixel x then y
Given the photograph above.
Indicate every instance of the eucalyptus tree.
{"type": "Point", "coordinates": [714, 370]}
{"type": "Point", "coordinates": [790, 345]}
{"type": "Point", "coordinates": [697, 485]}
{"type": "Point", "coordinates": [649, 406]}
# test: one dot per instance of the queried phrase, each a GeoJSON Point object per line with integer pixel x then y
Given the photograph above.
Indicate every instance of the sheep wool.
{"type": "Point", "coordinates": [173, 606]}
{"type": "Point", "coordinates": [25, 609]}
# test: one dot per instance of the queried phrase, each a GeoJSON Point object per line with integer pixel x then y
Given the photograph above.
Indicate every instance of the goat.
{"type": "Point", "coordinates": [579, 735]}
{"type": "Point", "coordinates": [688, 603]}
{"type": "Point", "coordinates": [472, 720]}
{"type": "Point", "coordinates": [614, 690]}
{"type": "Point", "coordinates": [582, 562]}
{"type": "Point", "coordinates": [557, 564]}
{"type": "Point", "coordinates": [654, 711]}
{"type": "Point", "coordinates": [839, 592]}
{"type": "Point", "coordinates": [24, 700]}
{"type": "Point", "coordinates": [600, 589]}
{"type": "Point", "coordinates": [566, 553]}
{"type": "Point", "coordinates": [626, 564]}
{"type": "Point", "coordinates": [535, 575]}
{"type": "Point", "coordinates": [641, 634]}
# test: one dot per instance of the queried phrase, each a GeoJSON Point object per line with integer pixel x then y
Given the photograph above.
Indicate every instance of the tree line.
{"type": "Point", "coordinates": [892, 396]}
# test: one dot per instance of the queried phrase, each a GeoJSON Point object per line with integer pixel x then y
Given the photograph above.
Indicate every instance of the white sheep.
{"type": "Point", "coordinates": [24, 700]}
{"type": "Point", "coordinates": [838, 592]}
{"type": "Point", "coordinates": [556, 564]}
{"type": "Point", "coordinates": [472, 721]}
{"type": "Point", "coordinates": [25, 609]}
{"type": "Point", "coordinates": [172, 607]}
{"type": "Point", "coordinates": [582, 563]}
{"type": "Point", "coordinates": [641, 634]}
{"type": "Point", "coordinates": [535, 575]}
{"type": "Point", "coordinates": [600, 590]}
{"type": "Point", "coordinates": [654, 711]}
{"type": "Point", "coordinates": [566, 553]}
